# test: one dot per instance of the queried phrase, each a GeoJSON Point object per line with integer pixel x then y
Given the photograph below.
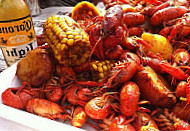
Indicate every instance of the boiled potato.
{"type": "Point", "coordinates": [36, 68]}
{"type": "Point", "coordinates": [159, 44]}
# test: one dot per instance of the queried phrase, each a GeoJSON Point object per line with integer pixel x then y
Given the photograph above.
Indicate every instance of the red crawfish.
{"type": "Point", "coordinates": [174, 71]}
{"type": "Point", "coordinates": [129, 98]}
{"type": "Point", "coordinates": [124, 70]}
{"type": "Point", "coordinates": [17, 97]}
{"type": "Point", "coordinates": [154, 63]}
{"type": "Point", "coordinates": [181, 57]}
{"type": "Point", "coordinates": [84, 67]}
{"type": "Point", "coordinates": [53, 93]}
{"type": "Point", "coordinates": [144, 121]}
{"type": "Point", "coordinates": [168, 121]}
{"type": "Point", "coordinates": [153, 9]}
{"type": "Point", "coordinates": [181, 126]}
{"type": "Point", "coordinates": [121, 124]}
{"type": "Point", "coordinates": [46, 109]}
{"type": "Point", "coordinates": [183, 90]}
{"type": "Point", "coordinates": [108, 33]}
{"type": "Point", "coordinates": [167, 14]}
{"type": "Point", "coordinates": [134, 43]}
{"type": "Point", "coordinates": [182, 110]}
{"type": "Point", "coordinates": [166, 31]}
{"type": "Point", "coordinates": [99, 107]}
{"type": "Point", "coordinates": [53, 90]}
{"type": "Point", "coordinates": [135, 31]}
{"type": "Point", "coordinates": [67, 74]}
{"type": "Point", "coordinates": [133, 19]}
{"type": "Point", "coordinates": [181, 28]}
{"type": "Point", "coordinates": [114, 53]}
{"type": "Point", "coordinates": [161, 66]}
{"type": "Point", "coordinates": [76, 95]}
{"type": "Point", "coordinates": [79, 117]}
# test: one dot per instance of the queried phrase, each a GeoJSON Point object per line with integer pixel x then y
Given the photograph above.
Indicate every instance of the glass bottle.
{"type": "Point", "coordinates": [17, 35]}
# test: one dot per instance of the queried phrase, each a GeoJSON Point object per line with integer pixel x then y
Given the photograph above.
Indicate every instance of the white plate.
{"type": "Point", "coordinates": [17, 120]}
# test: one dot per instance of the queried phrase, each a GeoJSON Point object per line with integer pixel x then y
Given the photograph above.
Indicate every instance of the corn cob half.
{"type": "Point", "coordinates": [101, 69]}
{"type": "Point", "coordinates": [69, 43]}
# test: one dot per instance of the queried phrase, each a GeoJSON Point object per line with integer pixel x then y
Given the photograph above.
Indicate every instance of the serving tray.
{"type": "Point", "coordinates": [12, 119]}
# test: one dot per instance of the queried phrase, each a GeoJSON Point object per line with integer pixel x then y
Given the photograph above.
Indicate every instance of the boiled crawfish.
{"type": "Point", "coordinates": [46, 109]}
{"type": "Point", "coordinates": [168, 121]}
{"type": "Point", "coordinates": [17, 97]}
{"type": "Point", "coordinates": [108, 33]}
{"type": "Point", "coordinates": [179, 30]}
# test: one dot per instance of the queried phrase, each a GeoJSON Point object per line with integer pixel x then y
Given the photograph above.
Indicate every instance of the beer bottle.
{"type": "Point", "coordinates": [17, 35]}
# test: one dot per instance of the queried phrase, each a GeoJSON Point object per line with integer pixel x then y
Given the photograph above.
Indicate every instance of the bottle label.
{"type": "Point", "coordinates": [17, 37]}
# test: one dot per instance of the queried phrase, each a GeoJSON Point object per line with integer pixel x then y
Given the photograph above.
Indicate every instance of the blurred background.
{"type": "Point", "coordinates": [48, 3]}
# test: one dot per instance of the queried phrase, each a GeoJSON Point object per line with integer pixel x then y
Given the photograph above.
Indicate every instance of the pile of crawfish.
{"type": "Point", "coordinates": [127, 83]}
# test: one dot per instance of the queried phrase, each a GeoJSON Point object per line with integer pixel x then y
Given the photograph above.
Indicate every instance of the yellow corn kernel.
{"type": "Point", "coordinates": [58, 45]}
{"type": "Point", "coordinates": [103, 63]}
{"type": "Point", "coordinates": [55, 52]}
{"type": "Point", "coordinates": [55, 28]}
{"type": "Point", "coordinates": [86, 37]}
{"type": "Point", "coordinates": [70, 36]}
{"type": "Point", "coordinates": [99, 64]}
{"type": "Point", "coordinates": [70, 42]}
{"type": "Point", "coordinates": [84, 41]}
{"type": "Point", "coordinates": [105, 68]}
{"type": "Point", "coordinates": [100, 69]}
{"type": "Point", "coordinates": [48, 31]}
{"type": "Point", "coordinates": [69, 33]}
{"type": "Point", "coordinates": [101, 75]}
{"type": "Point", "coordinates": [78, 37]}
{"type": "Point", "coordinates": [64, 35]}
{"type": "Point", "coordinates": [75, 33]}
{"type": "Point", "coordinates": [49, 19]}
{"type": "Point", "coordinates": [55, 41]}
{"type": "Point", "coordinates": [64, 28]}
{"type": "Point", "coordinates": [83, 33]}
{"type": "Point", "coordinates": [51, 36]}
{"type": "Point", "coordinates": [64, 40]}
{"type": "Point", "coordinates": [107, 61]}
{"type": "Point", "coordinates": [64, 47]}
{"type": "Point", "coordinates": [58, 57]}
{"type": "Point", "coordinates": [70, 24]}
{"type": "Point", "coordinates": [94, 66]}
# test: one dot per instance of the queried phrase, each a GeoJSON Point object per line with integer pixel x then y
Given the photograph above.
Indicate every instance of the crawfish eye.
{"type": "Point", "coordinates": [180, 61]}
{"type": "Point", "coordinates": [77, 90]}
{"type": "Point", "coordinates": [186, 63]}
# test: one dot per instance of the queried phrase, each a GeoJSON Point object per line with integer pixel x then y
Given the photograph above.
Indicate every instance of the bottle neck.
{"type": "Point", "coordinates": [13, 9]}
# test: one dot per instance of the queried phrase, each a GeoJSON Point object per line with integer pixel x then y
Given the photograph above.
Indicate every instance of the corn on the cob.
{"type": "Point", "coordinates": [69, 43]}
{"type": "Point", "coordinates": [100, 69]}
